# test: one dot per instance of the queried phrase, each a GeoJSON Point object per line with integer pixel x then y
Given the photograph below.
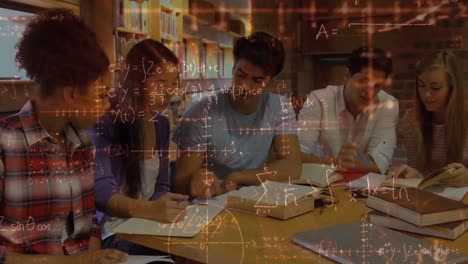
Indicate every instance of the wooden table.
{"type": "Point", "coordinates": [234, 237]}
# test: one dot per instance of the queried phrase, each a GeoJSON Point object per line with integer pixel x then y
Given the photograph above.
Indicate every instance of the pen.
{"type": "Point", "coordinates": [361, 155]}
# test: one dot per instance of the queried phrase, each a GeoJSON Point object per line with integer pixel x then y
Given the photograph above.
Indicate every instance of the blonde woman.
{"type": "Point", "coordinates": [436, 128]}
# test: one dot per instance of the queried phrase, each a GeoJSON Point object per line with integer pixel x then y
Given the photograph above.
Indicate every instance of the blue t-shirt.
{"type": "Point", "coordinates": [233, 141]}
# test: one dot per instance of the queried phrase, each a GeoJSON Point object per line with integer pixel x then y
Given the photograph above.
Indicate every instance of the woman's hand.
{"type": "Point", "coordinates": [169, 208]}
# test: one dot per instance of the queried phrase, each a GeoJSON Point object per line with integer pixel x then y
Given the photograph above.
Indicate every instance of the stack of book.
{"type": "Point", "coordinates": [418, 211]}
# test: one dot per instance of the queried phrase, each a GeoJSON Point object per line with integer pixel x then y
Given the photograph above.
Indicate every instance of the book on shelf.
{"type": "Point", "coordinates": [417, 206]}
{"type": "Point", "coordinates": [144, 17]}
{"type": "Point", "coordinates": [169, 28]}
{"type": "Point", "coordinates": [135, 16]}
{"type": "Point", "coordinates": [131, 15]}
{"type": "Point", "coordinates": [360, 241]}
{"type": "Point", "coordinates": [318, 175]}
{"type": "Point", "coordinates": [275, 199]}
{"type": "Point", "coordinates": [451, 230]}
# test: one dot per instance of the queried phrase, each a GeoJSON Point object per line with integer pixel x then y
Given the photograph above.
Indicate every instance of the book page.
{"type": "Point", "coordinates": [454, 193]}
{"type": "Point", "coordinates": [275, 193]}
{"type": "Point", "coordinates": [197, 217]}
{"type": "Point", "coordinates": [317, 174]}
{"type": "Point", "coordinates": [140, 259]}
{"type": "Point", "coordinates": [436, 176]}
{"type": "Point", "coordinates": [400, 182]}
{"type": "Point", "coordinates": [368, 181]}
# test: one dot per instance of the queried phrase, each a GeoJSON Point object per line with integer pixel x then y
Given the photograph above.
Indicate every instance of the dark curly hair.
{"type": "Point", "coordinates": [57, 49]}
{"type": "Point", "coordinates": [262, 50]}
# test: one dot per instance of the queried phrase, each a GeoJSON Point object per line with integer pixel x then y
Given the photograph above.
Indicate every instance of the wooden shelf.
{"type": "Point", "coordinates": [167, 9]}
{"type": "Point", "coordinates": [13, 82]}
{"type": "Point", "coordinates": [128, 31]}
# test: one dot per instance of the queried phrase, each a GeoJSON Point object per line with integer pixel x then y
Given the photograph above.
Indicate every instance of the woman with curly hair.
{"type": "Point", "coordinates": [435, 129]}
{"type": "Point", "coordinates": [46, 159]}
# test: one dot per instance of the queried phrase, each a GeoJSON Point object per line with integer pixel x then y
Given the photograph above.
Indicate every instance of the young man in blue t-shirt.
{"type": "Point", "coordinates": [225, 139]}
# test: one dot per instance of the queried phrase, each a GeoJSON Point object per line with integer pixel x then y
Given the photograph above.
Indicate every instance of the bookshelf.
{"type": "Point", "coordinates": [165, 20]}
{"type": "Point", "coordinates": [130, 23]}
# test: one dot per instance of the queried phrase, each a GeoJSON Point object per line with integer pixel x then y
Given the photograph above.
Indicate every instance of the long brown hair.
{"type": "Point", "coordinates": [150, 54]}
{"type": "Point", "coordinates": [455, 113]}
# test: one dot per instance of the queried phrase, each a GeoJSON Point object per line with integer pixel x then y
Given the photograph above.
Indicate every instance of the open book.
{"type": "Point", "coordinates": [276, 199]}
{"type": "Point", "coordinates": [318, 175]}
{"type": "Point", "coordinates": [196, 218]}
{"type": "Point", "coordinates": [374, 180]}
{"type": "Point", "coordinates": [421, 183]}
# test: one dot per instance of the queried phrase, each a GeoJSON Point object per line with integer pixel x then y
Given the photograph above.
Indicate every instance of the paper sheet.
{"type": "Point", "coordinates": [138, 259]}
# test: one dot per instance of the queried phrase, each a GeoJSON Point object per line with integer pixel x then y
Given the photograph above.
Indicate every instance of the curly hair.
{"type": "Point", "coordinates": [57, 49]}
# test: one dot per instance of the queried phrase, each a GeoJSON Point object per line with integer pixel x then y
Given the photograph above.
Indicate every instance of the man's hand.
{"type": "Point", "coordinates": [231, 182]}
{"type": "Point", "coordinates": [204, 183]}
{"type": "Point", "coordinates": [460, 176]}
{"type": "Point", "coordinates": [348, 157]}
{"type": "Point", "coordinates": [404, 171]}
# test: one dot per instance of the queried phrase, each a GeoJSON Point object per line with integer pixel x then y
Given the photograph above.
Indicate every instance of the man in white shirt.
{"type": "Point", "coordinates": [352, 125]}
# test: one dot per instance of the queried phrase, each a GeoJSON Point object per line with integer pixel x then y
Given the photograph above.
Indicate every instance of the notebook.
{"type": "Point", "coordinates": [197, 217]}
{"type": "Point", "coordinates": [450, 230]}
{"type": "Point", "coordinates": [318, 175]}
{"type": "Point", "coordinates": [361, 242]}
{"type": "Point", "coordinates": [275, 199]}
{"type": "Point", "coordinates": [418, 207]}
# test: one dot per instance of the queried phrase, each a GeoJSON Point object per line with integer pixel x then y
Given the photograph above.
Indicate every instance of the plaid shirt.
{"type": "Point", "coordinates": [41, 185]}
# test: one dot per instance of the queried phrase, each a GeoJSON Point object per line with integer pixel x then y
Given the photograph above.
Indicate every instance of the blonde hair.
{"type": "Point", "coordinates": [455, 113]}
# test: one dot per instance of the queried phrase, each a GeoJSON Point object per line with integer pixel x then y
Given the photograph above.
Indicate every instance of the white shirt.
{"type": "Point", "coordinates": [150, 176]}
{"type": "Point", "coordinates": [148, 181]}
{"type": "Point", "coordinates": [325, 125]}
